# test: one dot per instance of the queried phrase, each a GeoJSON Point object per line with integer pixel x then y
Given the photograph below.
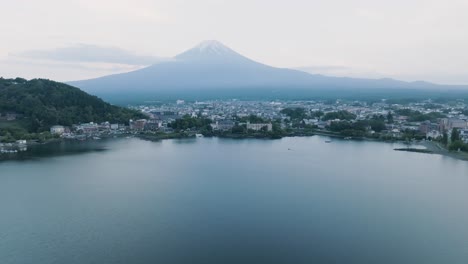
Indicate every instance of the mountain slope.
{"type": "Point", "coordinates": [45, 103]}
{"type": "Point", "coordinates": [213, 68]}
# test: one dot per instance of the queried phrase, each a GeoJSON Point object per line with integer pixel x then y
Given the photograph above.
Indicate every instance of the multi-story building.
{"type": "Point", "coordinates": [425, 127]}
{"type": "Point", "coordinates": [223, 125]}
{"type": "Point", "coordinates": [447, 124]}
{"type": "Point", "coordinates": [87, 128]}
{"type": "Point", "coordinates": [153, 124]}
{"type": "Point", "coordinates": [138, 124]}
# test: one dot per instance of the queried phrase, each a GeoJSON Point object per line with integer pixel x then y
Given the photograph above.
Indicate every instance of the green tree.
{"type": "Point", "coordinates": [458, 145]}
{"type": "Point", "coordinates": [318, 114]}
{"type": "Point", "coordinates": [294, 113]}
{"type": "Point", "coordinates": [455, 135]}
{"type": "Point", "coordinates": [237, 129]}
{"type": "Point", "coordinates": [187, 122]}
{"type": "Point", "coordinates": [341, 115]}
{"type": "Point", "coordinates": [390, 118]}
{"type": "Point", "coordinates": [444, 139]}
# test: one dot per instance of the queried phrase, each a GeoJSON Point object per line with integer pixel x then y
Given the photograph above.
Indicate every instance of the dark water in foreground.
{"type": "Point", "coordinates": [294, 200]}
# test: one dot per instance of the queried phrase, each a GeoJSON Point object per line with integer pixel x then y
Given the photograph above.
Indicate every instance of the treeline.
{"type": "Point", "coordinates": [44, 103]}
{"type": "Point", "coordinates": [252, 119]}
{"type": "Point", "coordinates": [188, 122]}
{"type": "Point", "coordinates": [358, 128]}
{"type": "Point", "coordinates": [13, 133]}
{"type": "Point", "coordinates": [341, 115]}
{"type": "Point", "coordinates": [416, 116]}
{"type": "Point", "coordinates": [295, 113]}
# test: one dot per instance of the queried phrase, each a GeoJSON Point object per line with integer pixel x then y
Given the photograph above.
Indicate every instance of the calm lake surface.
{"type": "Point", "coordinates": [209, 200]}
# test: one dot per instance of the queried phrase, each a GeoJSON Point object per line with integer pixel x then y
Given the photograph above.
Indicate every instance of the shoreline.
{"type": "Point", "coordinates": [436, 148]}
{"type": "Point", "coordinates": [431, 147]}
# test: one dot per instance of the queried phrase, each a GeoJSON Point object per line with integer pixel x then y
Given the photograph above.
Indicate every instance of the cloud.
{"type": "Point", "coordinates": [60, 70]}
{"type": "Point", "coordinates": [90, 54]}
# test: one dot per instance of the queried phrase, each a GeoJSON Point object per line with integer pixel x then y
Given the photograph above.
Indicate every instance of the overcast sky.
{"type": "Point", "coordinates": [77, 39]}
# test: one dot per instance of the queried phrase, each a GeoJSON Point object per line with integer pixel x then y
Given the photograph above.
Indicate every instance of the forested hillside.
{"type": "Point", "coordinates": [44, 103]}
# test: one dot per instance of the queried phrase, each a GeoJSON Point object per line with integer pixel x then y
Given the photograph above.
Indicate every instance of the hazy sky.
{"type": "Point", "coordinates": [76, 39]}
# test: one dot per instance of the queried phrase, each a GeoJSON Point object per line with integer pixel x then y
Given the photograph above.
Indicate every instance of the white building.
{"type": "Point", "coordinates": [57, 130]}
{"type": "Point", "coordinates": [258, 127]}
{"type": "Point", "coordinates": [21, 142]}
{"type": "Point", "coordinates": [464, 135]}
{"type": "Point", "coordinates": [223, 125]}
{"type": "Point", "coordinates": [433, 134]}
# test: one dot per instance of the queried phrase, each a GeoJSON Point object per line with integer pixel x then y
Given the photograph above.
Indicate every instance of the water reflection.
{"type": "Point", "coordinates": [54, 149]}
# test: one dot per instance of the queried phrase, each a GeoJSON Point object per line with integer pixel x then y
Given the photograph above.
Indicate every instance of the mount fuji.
{"type": "Point", "coordinates": [212, 70]}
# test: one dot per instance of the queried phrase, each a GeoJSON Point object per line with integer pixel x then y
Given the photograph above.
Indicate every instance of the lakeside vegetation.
{"type": "Point", "coordinates": [190, 125]}
{"type": "Point", "coordinates": [454, 143]}
{"type": "Point", "coordinates": [360, 129]}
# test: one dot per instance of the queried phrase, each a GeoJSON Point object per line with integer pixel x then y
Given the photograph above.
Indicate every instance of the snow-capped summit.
{"type": "Point", "coordinates": [210, 51]}
{"type": "Point", "coordinates": [213, 46]}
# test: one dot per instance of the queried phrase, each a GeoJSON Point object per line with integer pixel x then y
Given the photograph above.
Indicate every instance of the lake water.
{"type": "Point", "coordinates": [209, 200]}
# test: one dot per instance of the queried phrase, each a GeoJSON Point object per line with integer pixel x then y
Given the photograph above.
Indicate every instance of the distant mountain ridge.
{"type": "Point", "coordinates": [211, 68]}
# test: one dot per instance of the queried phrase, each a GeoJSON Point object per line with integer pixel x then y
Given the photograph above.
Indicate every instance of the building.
{"type": "Point", "coordinates": [21, 142]}
{"type": "Point", "coordinates": [153, 125]}
{"type": "Point", "coordinates": [322, 124]}
{"type": "Point", "coordinates": [104, 126]}
{"type": "Point", "coordinates": [457, 123]}
{"type": "Point", "coordinates": [310, 121]}
{"type": "Point", "coordinates": [258, 127]}
{"type": "Point", "coordinates": [447, 124]}
{"type": "Point", "coordinates": [425, 127]}
{"type": "Point", "coordinates": [57, 130]}
{"type": "Point", "coordinates": [433, 134]}
{"type": "Point", "coordinates": [87, 128]}
{"type": "Point", "coordinates": [223, 125]}
{"type": "Point", "coordinates": [138, 124]}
